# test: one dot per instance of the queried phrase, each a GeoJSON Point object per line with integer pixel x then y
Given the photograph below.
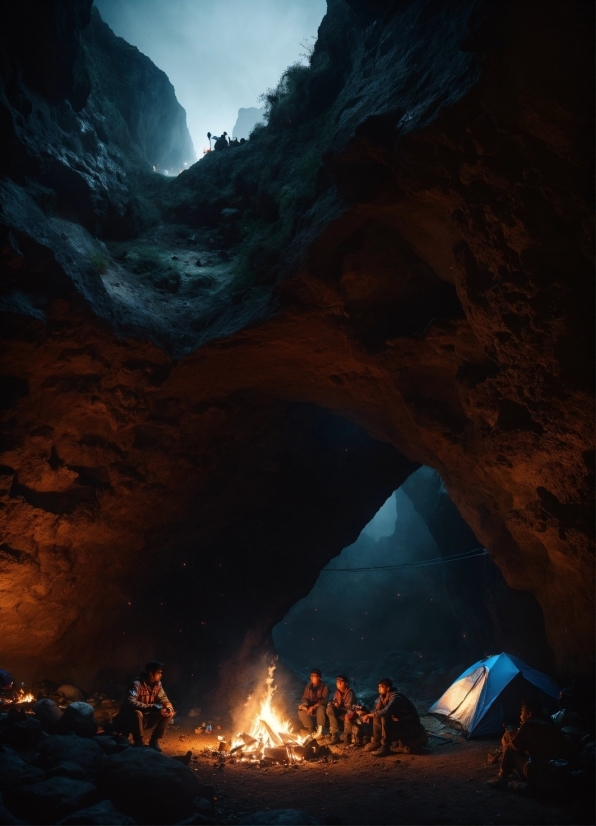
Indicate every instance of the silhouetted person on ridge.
{"type": "Point", "coordinates": [221, 142]}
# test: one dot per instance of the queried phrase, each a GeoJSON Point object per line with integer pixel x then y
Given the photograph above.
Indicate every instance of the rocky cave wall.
{"type": "Point", "coordinates": [418, 219]}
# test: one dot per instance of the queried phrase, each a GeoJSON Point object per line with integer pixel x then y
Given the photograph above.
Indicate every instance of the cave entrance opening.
{"type": "Point", "coordinates": [420, 624]}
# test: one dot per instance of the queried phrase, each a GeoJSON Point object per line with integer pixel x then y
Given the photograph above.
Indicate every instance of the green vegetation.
{"type": "Point", "coordinates": [99, 263]}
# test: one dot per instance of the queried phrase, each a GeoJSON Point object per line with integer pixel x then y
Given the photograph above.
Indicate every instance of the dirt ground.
{"type": "Point", "coordinates": [444, 786]}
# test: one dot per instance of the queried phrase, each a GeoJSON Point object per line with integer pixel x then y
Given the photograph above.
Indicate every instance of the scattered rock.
{"type": "Point", "coordinates": [98, 815]}
{"type": "Point", "coordinates": [7, 818]}
{"type": "Point", "coordinates": [15, 772]}
{"type": "Point", "coordinates": [48, 714]}
{"type": "Point", "coordinates": [149, 786]}
{"type": "Point", "coordinates": [203, 806]}
{"type": "Point", "coordinates": [281, 817]}
{"type": "Point", "coordinates": [67, 768]}
{"type": "Point", "coordinates": [175, 258]}
{"type": "Point", "coordinates": [50, 800]}
{"type": "Point", "coordinates": [22, 735]}
{"type": "Point", "coordinates": [78, 719]}
{"type": "Point", "coordinates": [112, 745]}
{"type": "Point", "coordinates": [70, 748]}
{"type": "Point", "coordinates": [67, 694]}
{"type": "Point", "coordinates": [198, 264]}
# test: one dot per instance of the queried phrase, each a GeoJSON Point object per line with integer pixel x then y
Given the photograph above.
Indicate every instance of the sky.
{"type": "Point", "coordinates": [220, 55]}
{"type": "Point", "coordinates": [383, 522]}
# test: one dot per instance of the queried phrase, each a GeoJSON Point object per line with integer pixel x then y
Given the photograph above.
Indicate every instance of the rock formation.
{"type": "Point", "coordinates": [416, 220]}
{"type": "Point", "coordinates": [246, 122]}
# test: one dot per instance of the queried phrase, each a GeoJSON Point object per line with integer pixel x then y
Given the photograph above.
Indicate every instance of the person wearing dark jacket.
{"type": "Point", "coordinates": [313, 704]}
{"type": "Point", "coordinates": [394, 718]}
{"type": "Point", "coordinates": [146, 706]}
{"type": "Point", "coordinates": [340, 710]}
{"type": "Point", "coordinates": [529, 748]}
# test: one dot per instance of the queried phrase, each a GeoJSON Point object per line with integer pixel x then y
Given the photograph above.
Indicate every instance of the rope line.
{"type": "Point", "coordinates": [437, 561]}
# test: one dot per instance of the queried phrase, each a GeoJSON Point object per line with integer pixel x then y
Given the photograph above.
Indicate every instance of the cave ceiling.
{"type": "Point", "coordinates": [429, 302]}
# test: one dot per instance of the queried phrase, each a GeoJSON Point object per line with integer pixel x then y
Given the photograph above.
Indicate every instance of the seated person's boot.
{"type": "Point", "coordinates": [154, 743]}
{"type": "Point", "coordinates": [335, 739]}
{"type": "Point", "coordinates": [374, 745]}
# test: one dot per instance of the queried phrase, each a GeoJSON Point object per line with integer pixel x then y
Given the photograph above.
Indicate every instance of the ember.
{"type": "Point", "coordinates": [269, 736]}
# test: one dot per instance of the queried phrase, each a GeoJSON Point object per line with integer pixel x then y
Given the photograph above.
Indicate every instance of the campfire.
{"type": "Point", "coordinates": [20, 697]}
{"type": "Point", "coordinates": [269, 737]}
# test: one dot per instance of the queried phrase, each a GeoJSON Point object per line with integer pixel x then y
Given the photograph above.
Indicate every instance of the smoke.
{"type": "Point", "coordinates": [219, 55]}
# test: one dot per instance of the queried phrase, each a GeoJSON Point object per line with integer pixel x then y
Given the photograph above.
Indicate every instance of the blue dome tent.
{"type": "Point", "coordinates": [490, 693]}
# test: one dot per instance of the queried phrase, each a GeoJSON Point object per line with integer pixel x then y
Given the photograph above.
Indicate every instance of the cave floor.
{"type": "Point", "coordinates": [444, 786]}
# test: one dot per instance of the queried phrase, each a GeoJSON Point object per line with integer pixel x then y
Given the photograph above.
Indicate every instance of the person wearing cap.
{"type": "Point", "coordinates": [394, 718]}
{"type": "Point", "coordinates": [313, 704]}
{"type": "Point", "coordinates": [340, 710]}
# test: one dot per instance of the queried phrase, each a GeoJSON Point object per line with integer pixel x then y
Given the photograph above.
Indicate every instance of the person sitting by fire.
{"type": "Point", "coordinates": [7, 689]}
{"type": "Point", "coordinates": [313, 705]}
{"type": "Point", "coordinates": [528, 748]}
{"type": "Point", "coordinates": [146, 706]}
{"type": "Point", "coordinates": [394, 718]}
{"type": "Point", "coordinates": [341, 710]}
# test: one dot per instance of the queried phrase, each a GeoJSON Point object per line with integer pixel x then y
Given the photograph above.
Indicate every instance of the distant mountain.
{"type": "Point", "coordinates": [247, 120]}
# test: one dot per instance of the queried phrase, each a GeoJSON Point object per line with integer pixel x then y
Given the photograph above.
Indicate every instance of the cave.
{"type": "Point", "coordinates": [362, 338]}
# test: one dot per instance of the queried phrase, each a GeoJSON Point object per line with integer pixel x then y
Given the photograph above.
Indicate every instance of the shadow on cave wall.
{"type": "Point", "coordinates": [420, 625]}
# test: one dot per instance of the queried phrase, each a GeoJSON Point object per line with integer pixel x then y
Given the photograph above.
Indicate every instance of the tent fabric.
{"type": "Point", "coordinates": [490, 693]}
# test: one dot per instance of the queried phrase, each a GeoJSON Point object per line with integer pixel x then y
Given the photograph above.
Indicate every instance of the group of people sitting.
{"type": "Point", "coordinates": [394, 719]}
{"type": "Point", "coordinates": [393, 723]}
{"type": "Point", "coordinates": [223, 142]}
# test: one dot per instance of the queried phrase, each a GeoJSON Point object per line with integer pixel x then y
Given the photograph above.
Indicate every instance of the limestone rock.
{"type": "Point", "coordinates": [15, 772]}
{"type": "Point", "coordinates": [281, 817]}
{"type": "Point", "coordinates": [98, 815]}
{"type": "Point", "coordinates": [68, 768]}
{"type": "Point", "coordinates": [22, 735]}
{"type": "Point", "coordinates": [50, 800]}
{"type": "Point", "coordinates": [79, 718]}
{"type": "Point", "coordinates": [149, 786]}
{"type": "Point", "coordinates": [48, 714]}
{"type": "Point", "coordinates": [70, 748]}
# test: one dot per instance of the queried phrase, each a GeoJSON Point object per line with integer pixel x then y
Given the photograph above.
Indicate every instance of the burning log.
{"type": "Point", "coordinates": [273, 736]}
{"type": "Point", "coordinates": [276, 754]}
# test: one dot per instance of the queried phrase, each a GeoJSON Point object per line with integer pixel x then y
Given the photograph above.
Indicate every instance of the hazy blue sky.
{"type": "Point", "coordinates": [219, 54]}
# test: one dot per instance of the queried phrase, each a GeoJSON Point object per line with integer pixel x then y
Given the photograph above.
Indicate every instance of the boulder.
{"type": "Point", "coordinates": [22, 735]}
{"type": "Point", "coordinates": [68, 694]}
{"type": "Point", "coordinates": [73, 749]}
{"type": "Point", "coordinates": [281, 817]}
{"type": "Point", "coordinates": [48, 714]}
{"type": "Point", "coordinates": [15, 772]}
{"type": "Point", "coordinates": [78, 719]}
{"type": "Point", "coordinates": [67, 768]}
{"type": "Point", "coordinates": [7, 818]}
{"type": "Point", "coordinates": [102, 813]}
{"type": "Point", "coordinates": [149, 786]}
{"type": "Point", "coordinates": [112, 745]}
{"type": "Point", "coordinates": [50, 800]}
